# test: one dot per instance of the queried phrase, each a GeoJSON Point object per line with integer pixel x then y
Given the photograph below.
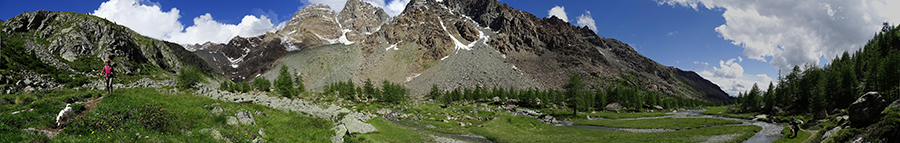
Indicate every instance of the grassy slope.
{"type": "Point", "coordinates": [659, 123]}
{"type": "Point", "coordinates": [389, 132]}
{"type": "Point", "coordinates": [787, 137]}
{"type": "Point", "coordinates": [123, 115]}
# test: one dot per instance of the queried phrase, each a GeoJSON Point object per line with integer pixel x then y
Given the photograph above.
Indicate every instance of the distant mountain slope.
{"type": "Point", "coordinates": [45, 49]}
{"type": "Point", "coordinates": [463, 43]}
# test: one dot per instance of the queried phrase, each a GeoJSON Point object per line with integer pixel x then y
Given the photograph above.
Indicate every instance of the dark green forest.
{"type": "Point", "coordinates": [873, 68]}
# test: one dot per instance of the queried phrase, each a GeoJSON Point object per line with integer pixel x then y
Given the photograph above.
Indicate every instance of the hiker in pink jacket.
{"type": "Point", "coordinates": [108, 74]}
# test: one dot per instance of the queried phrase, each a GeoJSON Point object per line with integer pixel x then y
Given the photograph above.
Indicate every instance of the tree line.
{"type": "Point", "coordinates": [875, 67]}
{"type": "Point", "coordinates": [575, 95]}
{"type": "Point", "coordinates": [389, 92]}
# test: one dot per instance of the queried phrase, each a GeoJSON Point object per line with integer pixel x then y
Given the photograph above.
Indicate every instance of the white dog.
{"type": "Point", "coordinates": [63, 114]}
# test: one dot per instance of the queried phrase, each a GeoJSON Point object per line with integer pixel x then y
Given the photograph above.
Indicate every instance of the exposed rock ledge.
{"type": "Point", "coordinates": [347, 121]}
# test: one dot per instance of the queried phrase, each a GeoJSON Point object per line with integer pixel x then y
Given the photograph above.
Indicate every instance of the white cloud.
{"type": "Point", "coordinates": [729, 69]}
{"type": "Point", "coordinates": [733, 86]}
{"type": "Point", "coordinates": [149, 20]}
{"type": "Point", "coordinates": [586, 20]}
{"type": "Point", "coordinates": [672, 33]}
{"type": "Point", "coordinates": [740, 59]}
{"type": "Point", "coordinates": [796, 32]}
{"type": "Point", "coordinates": [731, 78]}
{"type": "Point", "coordinates": [702, 64]}
{"type": "Point", "coordinates": [392, 8]}
{"type": "Point", "coordinates": [559, 12]}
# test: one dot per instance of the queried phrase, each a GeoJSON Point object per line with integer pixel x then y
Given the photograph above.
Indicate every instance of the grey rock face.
{"type": "Point", "coordinates": [217, 110]}
{"type": "Point", "coordinates": [245, 117]}
{"type": "Point", "coordinates": [866, 109]}
{"type": "Point", "coordinates": [362, 19]}
{"type": "Point", "coordinates": [356, 126]}
{"type": "Point", "coordinates": [614, 106]}
{"type": "Point", "coordinates": [231, 120]}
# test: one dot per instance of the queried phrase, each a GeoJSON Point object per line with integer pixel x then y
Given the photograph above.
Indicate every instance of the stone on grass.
{"type": "Point", "coordinates": [217, 110]}
{"type": "Point", "coordinates": [615, 106]}
{"type": "Point", "coordinates": [233, 121]}
{"type": "Point", "coordinates": [867, 109]}
{"type": "Point", "coordinates": [245, 117]}
{"type": "Point", "coordinates": [356, 126]}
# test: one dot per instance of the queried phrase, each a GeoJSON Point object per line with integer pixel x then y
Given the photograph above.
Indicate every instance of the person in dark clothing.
{"type": "Point", "coordinates": [108, 74]}
{"type": "Point", "coordinates": [795, 126]}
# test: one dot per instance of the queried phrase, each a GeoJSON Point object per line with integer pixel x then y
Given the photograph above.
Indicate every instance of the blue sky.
{"type": "Point", "coordinates": [732, 43]}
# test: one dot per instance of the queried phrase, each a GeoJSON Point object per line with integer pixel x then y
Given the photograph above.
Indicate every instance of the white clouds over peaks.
{"type": "Point", "coordinates": [729, 69]}
{"type": "Point", "coordinates": [796, 32]}
{"type": "Point", "coordinates": [559, 12]}
{"type": "Point", "coordinates": [147, 20]}
{"type": "Point", "coordinates": [392, 8]}
{"type": "Point", "coordinates": [586, 20]}
{"type": "Point", "coordinates": [151, 21]}
{"type": "Point", "coordinates": [730, 76]}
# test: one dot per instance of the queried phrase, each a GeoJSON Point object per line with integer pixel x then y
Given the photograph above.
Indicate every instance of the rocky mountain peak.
{"type": "Point", "coordinates": [362, 19]}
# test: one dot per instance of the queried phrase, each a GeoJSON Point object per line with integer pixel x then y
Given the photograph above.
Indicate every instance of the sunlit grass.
{"type": "Point", "coordinates": [658, 123]}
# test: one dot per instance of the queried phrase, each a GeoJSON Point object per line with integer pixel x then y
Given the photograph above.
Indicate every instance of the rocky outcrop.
{"type": "Point", "coordinates": [866, 109]}
{"type": "Point", "coordinates": [242, 58]}
{"type": "Point", "coordinates": [62, 39]}
{"type": "Point", "coordinates": [361, 19]}
{"type": "Point", "coordinates": [344, 118]}
{"type": "Point", "coordinates": [310, 27]}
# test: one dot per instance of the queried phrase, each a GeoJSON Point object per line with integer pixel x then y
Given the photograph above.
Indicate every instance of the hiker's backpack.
{"type": "Point", "coordinates": [107, 71]}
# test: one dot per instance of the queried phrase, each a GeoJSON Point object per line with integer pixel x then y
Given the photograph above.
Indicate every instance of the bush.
{"type": "Point", "coordinates": [262, 84]}
{"type": "Point", "coordinates": [245, 87]}
{"type": "Point", "coordinates": [187, 77]}
{"type": "Point", "coordinates": [226, 85]}
{"type": "Point", "coordinates": [435, 92]}
{"type": "Point", "coordinates": [300, 87]}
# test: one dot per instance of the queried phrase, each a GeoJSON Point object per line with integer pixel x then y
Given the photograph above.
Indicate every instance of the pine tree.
{"type": "Point", "coordinates": [769, 98]}
{"type": "Point", "coordinates": [283, 83]}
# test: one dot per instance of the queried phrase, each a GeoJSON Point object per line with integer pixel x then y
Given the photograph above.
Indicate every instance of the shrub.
{"type": "Point", "coordinates": [245, 87]}
{"type": "Point", "coordinates": [187, 77]}
{"type": "Point", "coordinates": [300, 87]}
{"type": "Point", "coordinates": [262, 84]}
{"type": "Point", "coordinates": [226, 85]}
{"type": "Point", "coordinates": [435, 92]}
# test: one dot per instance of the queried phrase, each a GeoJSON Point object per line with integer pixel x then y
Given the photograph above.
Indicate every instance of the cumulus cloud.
{"type": "Point", "coordinates": [733, 86]}
{"type": "Point", "coordinates": [392, 8]}
{"type": "Point", "coordinates": [702, 64]}
{"type": "Point", "coordinates": [586, 20]}
{"type": "Point", "coordinates": [730, 76]}
{"type": "Point", "coordinates": [149, 20]}
{"type": "Point", "coordinates": [796, 32]}
{"type": "Point", "coordinates": [729, 69]}
{"type": "Point", "coordinates": [559, 12]}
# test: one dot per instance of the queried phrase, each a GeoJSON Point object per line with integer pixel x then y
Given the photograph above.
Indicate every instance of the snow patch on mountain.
{"type": "Point", "coordinates": [410, 78]}
{"type": "Point", "coordinates": [235, 61]}
{"type": "Point", "coordinates": [394, 46]}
